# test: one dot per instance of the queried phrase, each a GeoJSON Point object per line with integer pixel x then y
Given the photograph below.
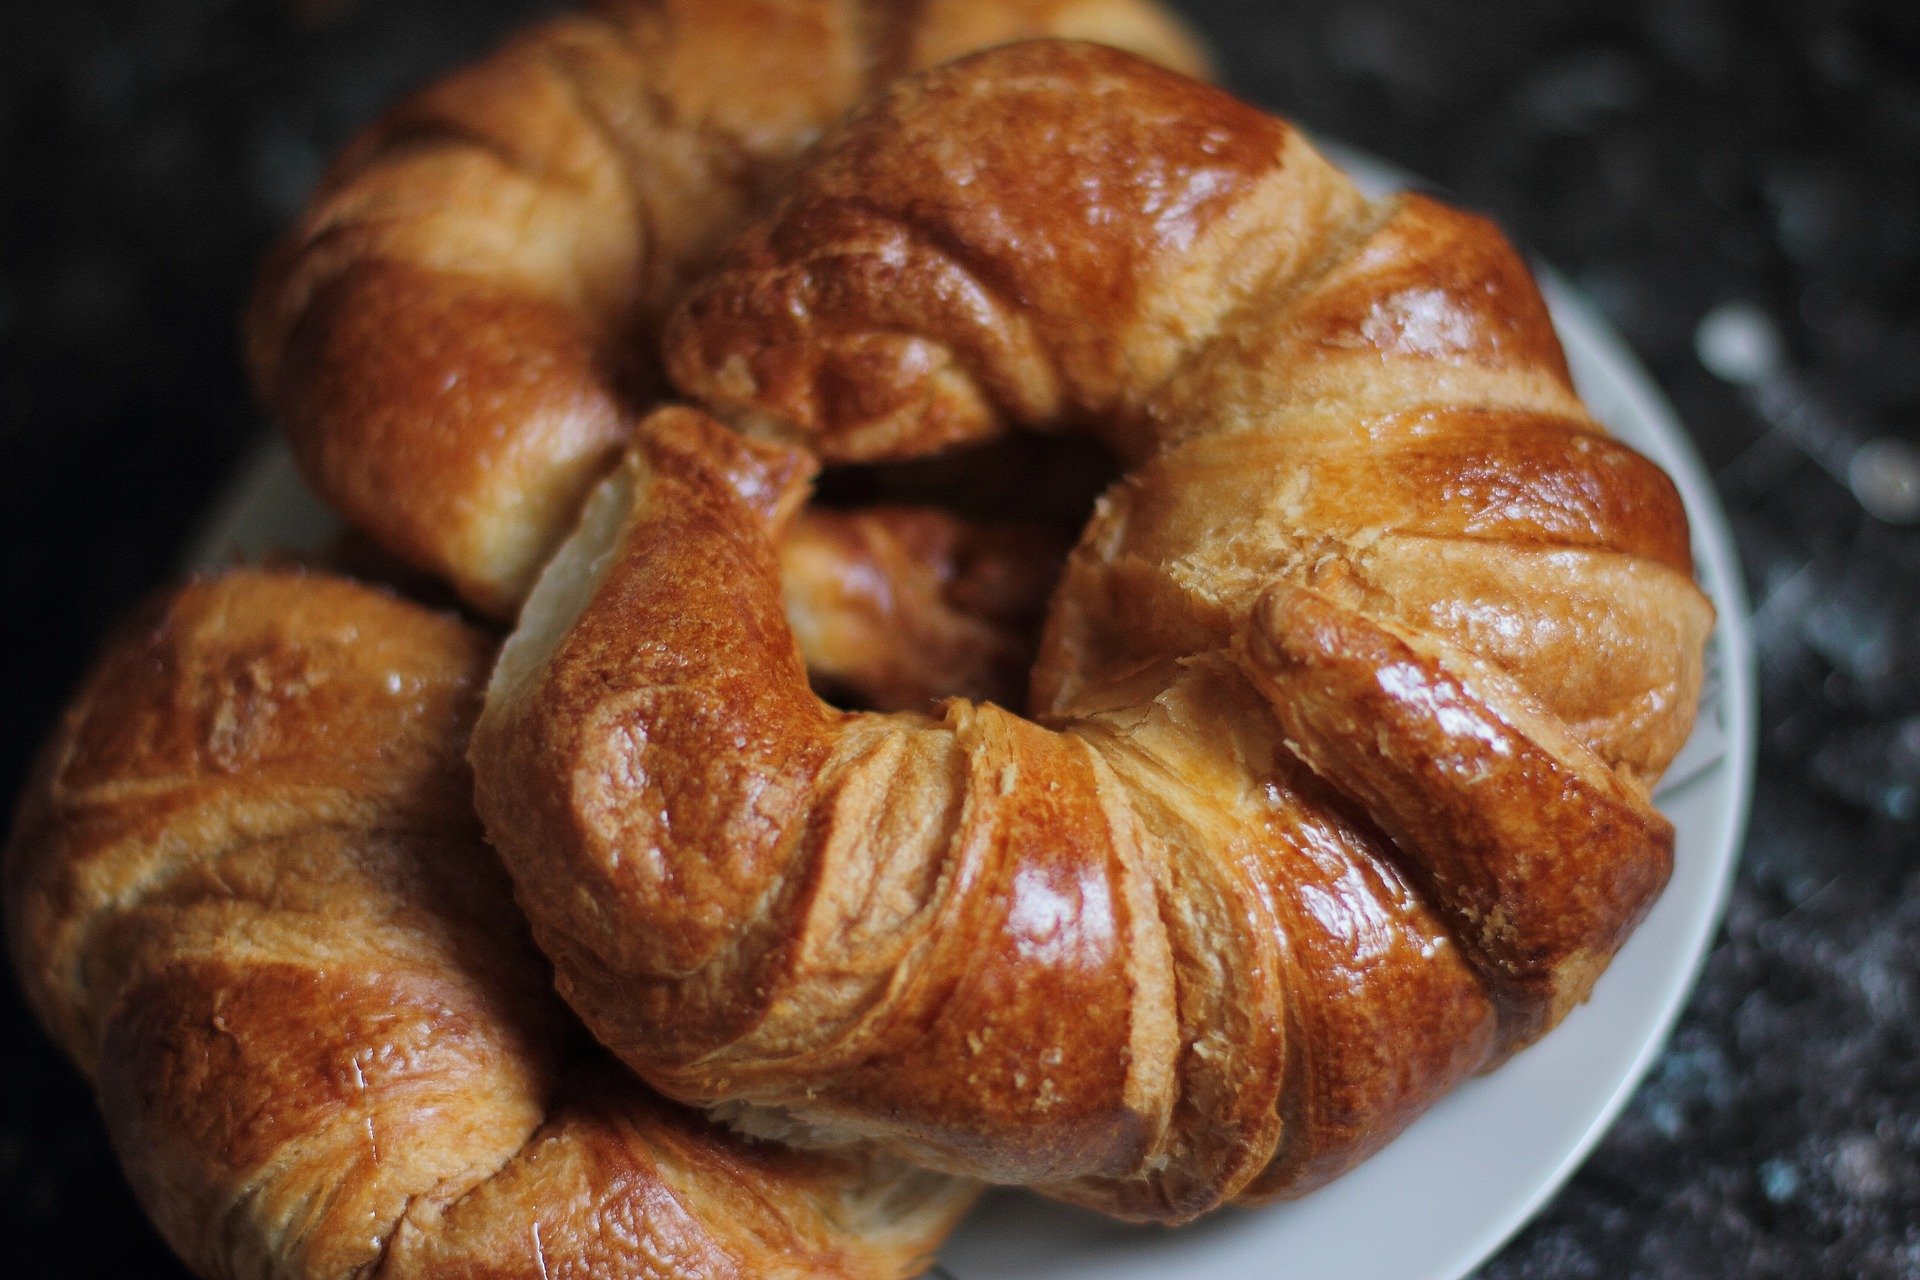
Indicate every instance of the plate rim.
{"type": "Point", "coordinates": [1739, 699]}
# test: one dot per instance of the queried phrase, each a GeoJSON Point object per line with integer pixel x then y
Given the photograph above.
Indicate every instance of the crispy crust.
{"type": "Point", "coordinates": [458, 333]}
{"type": "Point", "coordinates": [1351, 694]}
{"type": "Point", "coordinates": [248, 894]}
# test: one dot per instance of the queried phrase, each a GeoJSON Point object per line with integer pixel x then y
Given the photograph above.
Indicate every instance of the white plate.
{"type": "Point", "coordinates": [1467, 1175]}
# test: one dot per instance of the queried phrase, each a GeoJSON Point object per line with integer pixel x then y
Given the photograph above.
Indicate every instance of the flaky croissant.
{"type": "Point", "coordinates": [247, 893]}
{"type": "Point", "coordinates": [1345, 716]}
{"type": "Point", "coordinates": [456, 334]}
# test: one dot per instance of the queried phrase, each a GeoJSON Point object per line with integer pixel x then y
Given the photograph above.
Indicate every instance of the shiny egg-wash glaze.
{"type": "Point", "coordinates": [1347, 705]}
{"type": "Point", "coordinates": [248, 894]}
{"type": "Point", "coordinates": [458, 333]}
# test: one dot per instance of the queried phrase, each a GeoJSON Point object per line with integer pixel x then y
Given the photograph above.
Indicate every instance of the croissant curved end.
{"type": "Point", "coordinates": [1542, 857]}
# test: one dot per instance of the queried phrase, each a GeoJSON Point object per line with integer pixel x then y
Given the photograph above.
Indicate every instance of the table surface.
{"type": "Point", "coordinates": [1671, 156]}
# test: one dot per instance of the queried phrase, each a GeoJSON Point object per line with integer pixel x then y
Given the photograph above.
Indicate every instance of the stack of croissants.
{"type": "Point", "coordinates": [753, 812]}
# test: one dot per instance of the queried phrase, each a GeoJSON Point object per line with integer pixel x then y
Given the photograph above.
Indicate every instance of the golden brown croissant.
{"type": "Point", "coordinates": [1351, 695]}
{"type": "Point", "coordinates": [247, 893]}
{"type": "Point", "coordinates": [456, 334]}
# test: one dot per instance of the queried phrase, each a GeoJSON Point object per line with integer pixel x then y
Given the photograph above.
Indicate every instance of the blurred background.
{"type": "Point", "coordinates": [1735, 183]}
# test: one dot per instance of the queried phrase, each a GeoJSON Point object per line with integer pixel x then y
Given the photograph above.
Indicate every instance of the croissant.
{"type": "Point", "coordinates": [1344, 718]}
{"type": "Point", "coordinates": [248, 894]}
{"type": "Point", "coordinates": [456, 333]}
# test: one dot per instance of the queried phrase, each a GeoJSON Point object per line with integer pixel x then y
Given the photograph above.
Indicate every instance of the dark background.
{"type": "Point", "coordinates": [1670, 155]}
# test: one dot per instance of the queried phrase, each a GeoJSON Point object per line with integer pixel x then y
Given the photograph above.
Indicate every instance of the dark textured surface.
{"type": "Point", "coordinates": [1670, 155]}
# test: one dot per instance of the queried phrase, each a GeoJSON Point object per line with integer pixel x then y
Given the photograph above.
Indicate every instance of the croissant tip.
{"type": "Point", "coordinates": [1293, 627]}
{"type": "Point", "coordinates": [771, 477]}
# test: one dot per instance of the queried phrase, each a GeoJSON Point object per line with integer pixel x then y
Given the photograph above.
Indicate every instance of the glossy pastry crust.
{"type": "Point", "coordinates": [458, 332]}
{"type": "Point", "coordinates": [1344, 720]}
{"type": "Point", "coordinates": [248, 894]}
